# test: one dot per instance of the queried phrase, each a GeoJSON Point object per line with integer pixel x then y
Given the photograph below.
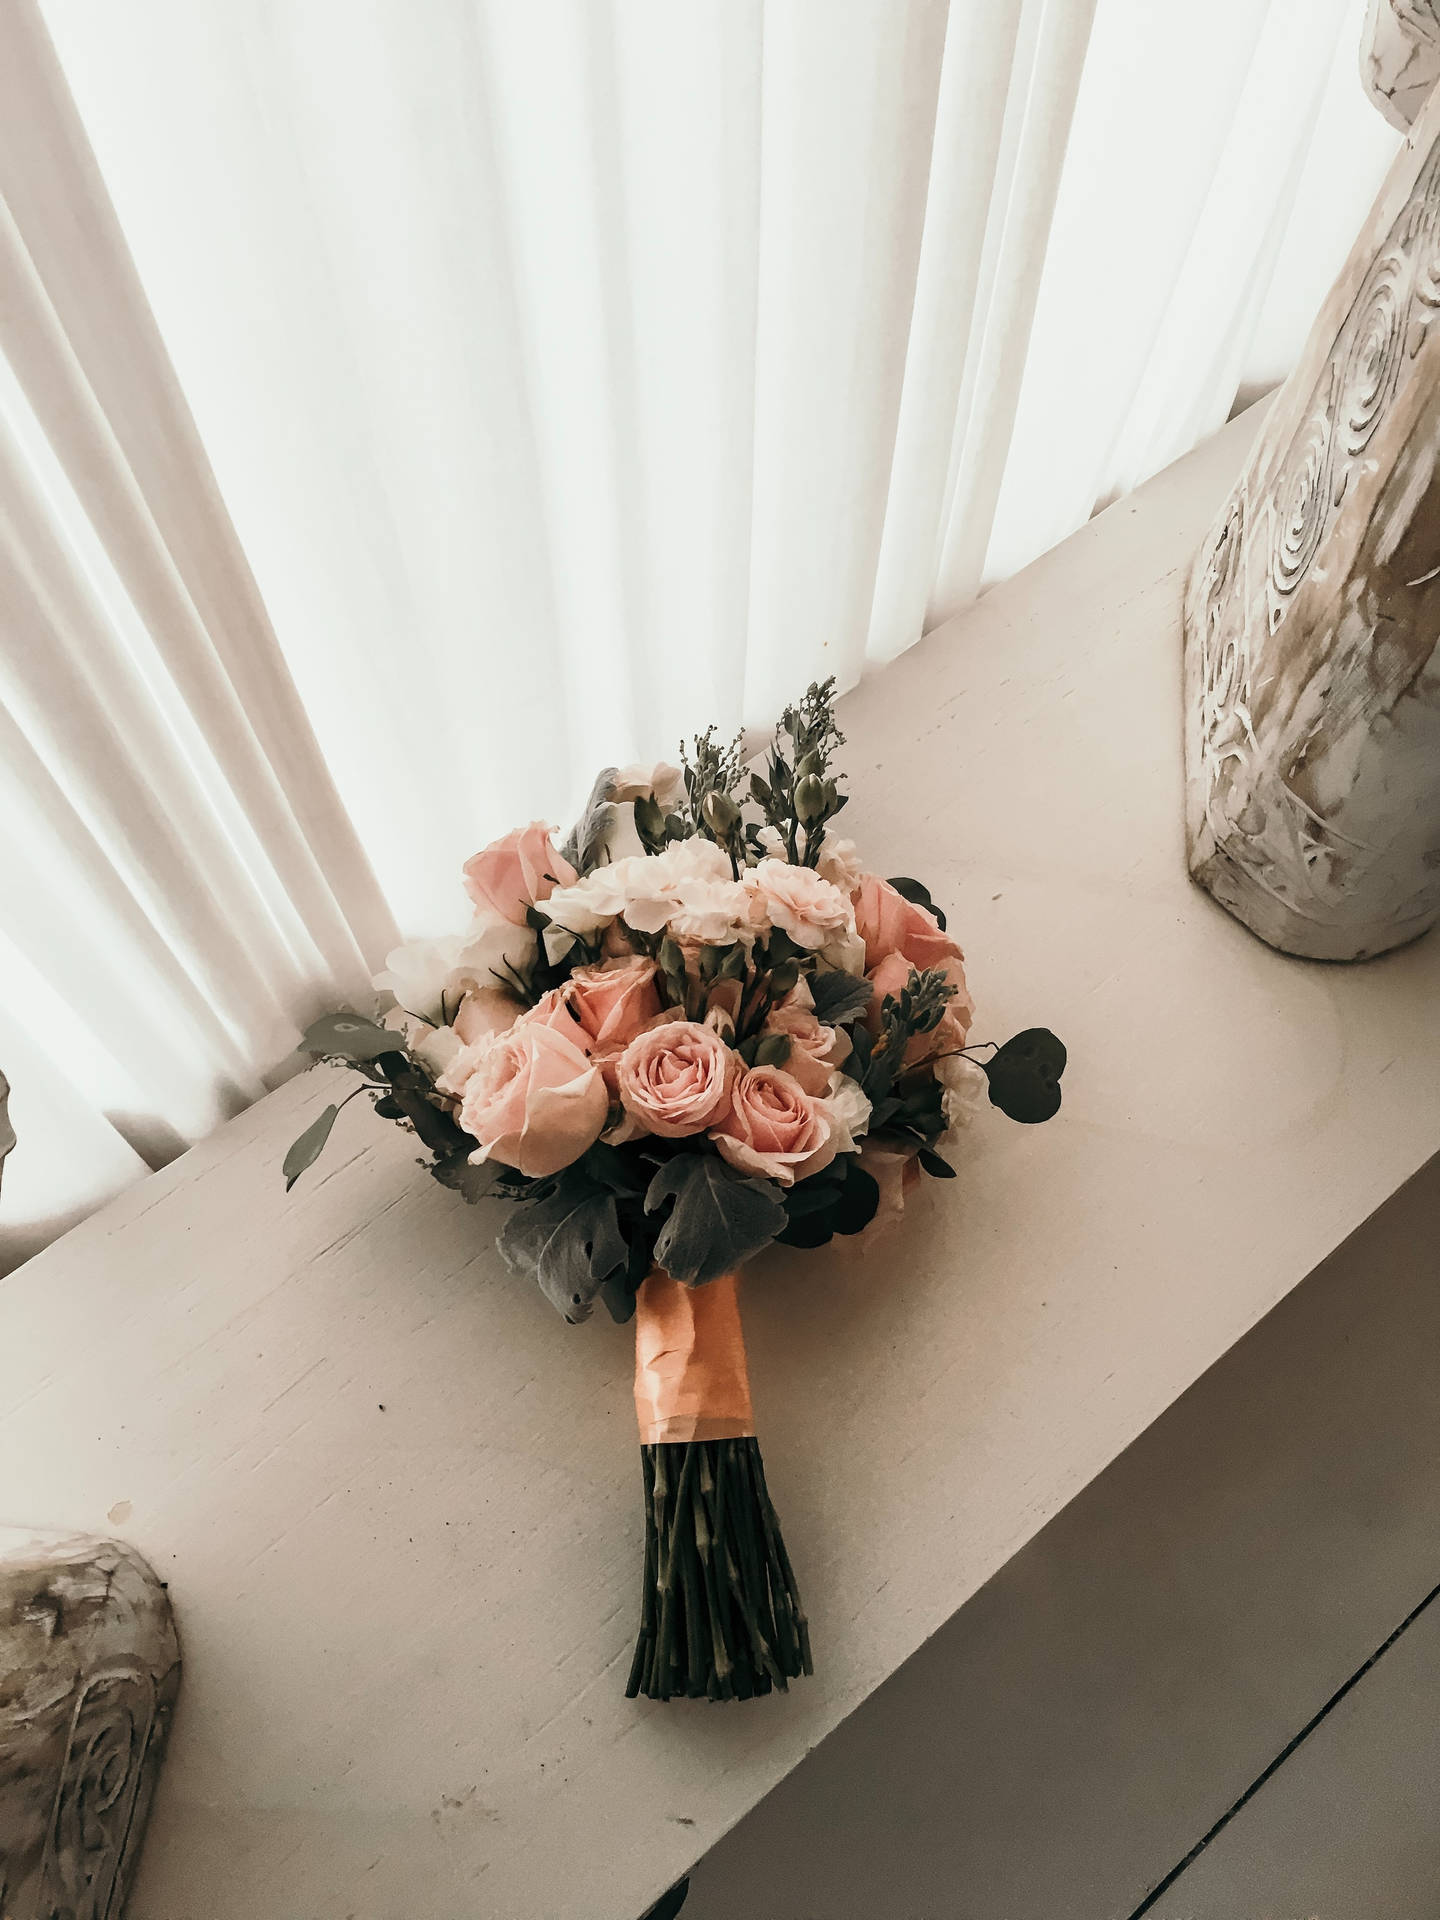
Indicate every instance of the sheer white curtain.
{"type": "Point", "coordinates": [571, 373]}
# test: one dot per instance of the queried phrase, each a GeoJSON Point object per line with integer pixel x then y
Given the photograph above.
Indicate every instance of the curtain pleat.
{"type": "Point", "coordinates": [406, 409]}
{"type": "Point", "coordinates": [181, 882]}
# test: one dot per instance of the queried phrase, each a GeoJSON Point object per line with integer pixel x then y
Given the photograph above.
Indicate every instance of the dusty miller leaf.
{"type": "Point", "coordinates": [569, 1240]}
{"type": "Point", "coordinates": [719, 1217]}
{"type": "Point", "coordinates": [839, 997]}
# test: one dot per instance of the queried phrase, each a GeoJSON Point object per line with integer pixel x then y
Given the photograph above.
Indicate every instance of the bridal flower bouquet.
{"type": "Point", "coordinates": [696, 1027]}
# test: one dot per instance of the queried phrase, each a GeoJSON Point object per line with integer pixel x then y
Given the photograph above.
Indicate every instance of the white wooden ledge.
{"type": "Point", "coordinates": [398, 1502]}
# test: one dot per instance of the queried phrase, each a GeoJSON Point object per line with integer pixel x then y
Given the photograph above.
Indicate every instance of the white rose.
{"type": "Point", "coordinates": [492, 953]}
{"type": "Point", "coordinates": [418, 974]}
{"type": "Point", "coordinates": [662, 783]}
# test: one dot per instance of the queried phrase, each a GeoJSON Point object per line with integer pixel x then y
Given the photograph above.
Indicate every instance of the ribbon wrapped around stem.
{"type": "Point", "coordinates": [720, 1613]}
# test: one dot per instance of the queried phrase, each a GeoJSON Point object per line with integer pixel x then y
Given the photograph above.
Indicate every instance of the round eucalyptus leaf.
{"type": "Point", "coordinates": [1024, 1076]}
{"type": "Point", "coordinates": [351, 1036]}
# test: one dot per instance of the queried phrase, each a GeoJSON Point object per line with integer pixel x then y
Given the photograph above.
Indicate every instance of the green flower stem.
{"type": "Point", "coordinates": [720, 1614]}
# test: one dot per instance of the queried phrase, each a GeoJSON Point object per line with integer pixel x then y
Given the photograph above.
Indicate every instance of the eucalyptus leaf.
{"type": "Point", "coordinates": [351, 1036]}
{"type": "Point", "coordinates": [933, 1164]}
{"type": "Point", "coordinates": [718, 1218]}
{"type": "Point", "coordinates": [839, 997]}
{"type": "Point", "coordinates": [1024, 1076]}
{"type": "Point", "coordinates": [569, 1240]}
{"type": "Point", "coordinates": [808, 1230]}
{"type": "Point", "coordinates": [305, 1151]}
{"type": "Point", "coordinates": [859, 1200]}
{"type": "Point", "coordinates": [918, 895]}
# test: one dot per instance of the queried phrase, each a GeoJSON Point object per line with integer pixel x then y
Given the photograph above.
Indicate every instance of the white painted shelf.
{"type": "Point", "coordinates": [407, 1630]}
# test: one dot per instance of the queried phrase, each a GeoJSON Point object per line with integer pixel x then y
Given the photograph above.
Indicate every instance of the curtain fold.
{"type": "Point", "coordinates": [180, 879]}
{"type": "Point", "coordinates": [407, 408]}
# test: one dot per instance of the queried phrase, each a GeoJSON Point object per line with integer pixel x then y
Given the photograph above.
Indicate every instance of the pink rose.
{"type": "Point", "coordinates": [889, 923]}
{"type": "Point", "coordinates": [552, 1010]}
{"type": "Point", "coordinates": [483, 1011]}
{"type": "Point", "coordinates": [775, 1128]}
{"type": "Point", "coordinates": [517, 872]}
{"type": "Point", "coordinates": [814, 1048]}
{"type": "Point", "coordinates": [532, 1099]}
{"type": "Point", "coordinates": [675, 1078]}
{"type": "Point", "coordinates": [799, 902]}
{"type": "Point", "coordinates": [614, 1001]}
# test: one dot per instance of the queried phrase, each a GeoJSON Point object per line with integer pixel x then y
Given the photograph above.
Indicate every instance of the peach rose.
{"type": "Point", "coordinates": [814, 1047]}
{"type": "Point", "coordinates": [799, 902]}
{"type": "Point", "coordinates": [889, 923]}
{"type": "Point", "coordinates": [517, 872]}
{"type": "Point", "coordinates": [614, 1001]}
{"type": "Point", "coordinates": [532, 1098]}
{"type": "Point", "coordinates": [552, 1010]}
{"type": "Point", "coordinates": [675, 1078]}
{"type": "Point", "coordinates": [775, 1128]}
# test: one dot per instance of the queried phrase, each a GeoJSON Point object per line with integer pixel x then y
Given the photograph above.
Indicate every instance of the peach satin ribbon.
{"type": "Point", "coordinates": [691, 1381]}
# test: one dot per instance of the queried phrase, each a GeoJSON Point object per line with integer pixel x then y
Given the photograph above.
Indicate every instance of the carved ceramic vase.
{"type": "Point", "coordinates": [1311, 621]}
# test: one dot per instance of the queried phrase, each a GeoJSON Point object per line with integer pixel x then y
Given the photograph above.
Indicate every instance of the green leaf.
{"type": "Point", "coordinates": [718, 1219]}
{"type": "Point", "coordinates": [843, 1198]}
{"type": "Point", "coordinates": [859, 1199]}
{"type": "Point", "coordinates": [435, 1127]}
{"type": "Point", "coordinates": [569, 1240]}
{"type": "Point", "coordinates": [1024, 1076]}
{"type": "Point", "coordinates": [773, 1050]}
{"type": "Point", "coordinates": [839, 997]}
{"type": "Point", "coordinates": [918, 896]}
{"type": "Point", "coordinates": [669, 1904]}
{"type": "Point", "coordinates": [305, 1151]}
{"type": "Point", "coordinates": [471, 1182]}
{"type": "Point", "coordinates": [807, 1230]}
{"type": "Point", "coordinates": [352, 1037]}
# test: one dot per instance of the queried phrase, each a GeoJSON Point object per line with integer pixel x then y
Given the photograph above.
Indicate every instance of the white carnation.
{"type": "Point", "coordinates": [965, 1089]}
{"type": "Point", "coordinates": [849, 1111]}
{"type": "Point", "coordinates": [714, 912]}
{"type": "Point", "coordinates": [839, 863]}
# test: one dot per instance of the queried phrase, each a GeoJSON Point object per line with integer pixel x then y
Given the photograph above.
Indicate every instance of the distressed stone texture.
{"type": "Point", "coordinates": [1313, 611]}
{"type": "Point", "coordinates": [89, 1667]}
{"type": "Point", "coordinates": [1400, 57]}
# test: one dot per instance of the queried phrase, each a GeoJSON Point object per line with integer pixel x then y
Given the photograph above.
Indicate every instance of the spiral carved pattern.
{"type": "Point", "coordinates": [1386, 325]}
{"type": "Point", "coordinates": [95, 1802]}
{"type": "Point", "coordinates": [1302, 499]}
{"type": "Point", "coordinates": [1282, 825]}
